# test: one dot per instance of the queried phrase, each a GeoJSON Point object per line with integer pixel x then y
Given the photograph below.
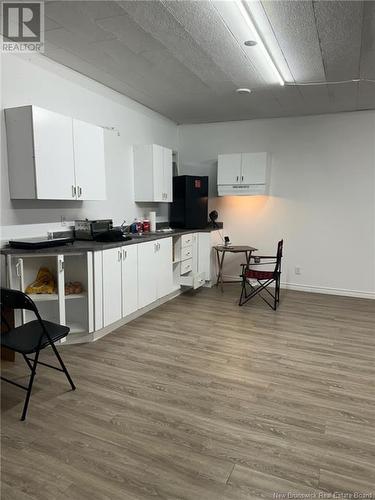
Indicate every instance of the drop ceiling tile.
{"type": "Point", "coordinates": [156, 20]}
{"type": "Point", "coordinates": [99, 9]}
{"type": "Point", "coordinates": [294, 27]}
{"type": "Point", "coordinates": [339, 25]}
{"type": "Point", "coordinates": [368, 41]}
{"type": "Point", "coordinates": [74, 18]}
{"type": "Point", "coordinates": [366, 95]}
{"type": "Point", "coordinates": [125, 29]}
{"type": "Point", "coordinates": [203, 22]}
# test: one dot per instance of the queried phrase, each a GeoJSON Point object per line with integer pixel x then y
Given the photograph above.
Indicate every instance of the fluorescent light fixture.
{"type": "Point", "coordinates": [258, 39]}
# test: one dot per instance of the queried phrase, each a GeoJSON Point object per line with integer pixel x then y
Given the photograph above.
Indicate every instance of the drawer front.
{"type": "Point", "coordinates": [186, 240]}
{"type": "Point", "coordinates": [186, 266]}
{"type": "Point", "coordinates": [187, 253]}
{"type": "Point", "coordinates": [199, 280]}
{"type": "Point", "coordinates": [195, 281]}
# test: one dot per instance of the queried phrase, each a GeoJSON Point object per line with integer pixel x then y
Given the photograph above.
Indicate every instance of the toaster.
{"type": "Point", "coordinates": [89, 229]}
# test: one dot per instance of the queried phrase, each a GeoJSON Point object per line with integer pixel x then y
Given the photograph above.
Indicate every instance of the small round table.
{"type": "Point", "coordinates": [247, 250]}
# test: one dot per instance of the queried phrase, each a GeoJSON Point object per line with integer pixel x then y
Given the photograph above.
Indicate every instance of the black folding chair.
{"type": "Point", "coordinates": [30, 338]}
{"type": "Point", "coordinates": [264, 278]}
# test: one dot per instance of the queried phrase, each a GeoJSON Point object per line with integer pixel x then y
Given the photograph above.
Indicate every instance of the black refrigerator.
{"type": "Point", "coordinates": [189, 209]}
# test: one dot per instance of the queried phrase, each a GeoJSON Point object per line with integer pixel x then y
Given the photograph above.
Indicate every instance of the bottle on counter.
{"type": "Point", "coordinates": [152, 219]}
{"type": "Point", "coordinates": [133, 227]}
{"type": "Point", "coordinates": [146, 226]}
{"type": "Point", "coordinates": [139, 225]}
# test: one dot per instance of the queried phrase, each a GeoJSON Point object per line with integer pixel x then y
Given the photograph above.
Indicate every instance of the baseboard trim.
{"type": "Point", "coordinates": [329, 291]}
{"type": "Point", "coordinates": [344, 292]}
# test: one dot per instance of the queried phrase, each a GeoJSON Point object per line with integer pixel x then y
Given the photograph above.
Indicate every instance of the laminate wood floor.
{"type": "Point", "coordinates": [200, 399]}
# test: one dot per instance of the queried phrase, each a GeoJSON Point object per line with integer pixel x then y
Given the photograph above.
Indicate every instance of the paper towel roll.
{"type": "Point", "coordinates": [152, 218]}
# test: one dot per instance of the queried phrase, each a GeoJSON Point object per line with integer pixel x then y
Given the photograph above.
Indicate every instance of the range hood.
{"type": "Point", "coordinates": [242, 174]}
{"type": "Point", "coordinates": [241, 189]}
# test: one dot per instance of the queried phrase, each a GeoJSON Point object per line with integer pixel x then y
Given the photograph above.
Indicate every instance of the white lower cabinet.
{"type": "Point", "coordinates": [129, 274]}
{"type": "Point", "coordinates": [112, 286]}
{"type": "Point", "coordinates": [155, 273]}
{"type": "Point", "coordinates": [120, 283]}
{"type": "Point", "coordinates": [146, 273]}
{"type": "Point", "coordinates": [163, 263]}
{"type": "Point", "coordinates": [115, 282]}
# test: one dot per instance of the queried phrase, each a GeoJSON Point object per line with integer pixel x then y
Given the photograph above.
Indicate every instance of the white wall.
{"type": "Point", "coordinates": [40, 81]}
{"type": "Point", "coordinates": [322, 194]}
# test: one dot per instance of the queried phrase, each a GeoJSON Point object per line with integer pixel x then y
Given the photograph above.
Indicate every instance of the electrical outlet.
{"type": "Point", "coordinates": [297, 270]}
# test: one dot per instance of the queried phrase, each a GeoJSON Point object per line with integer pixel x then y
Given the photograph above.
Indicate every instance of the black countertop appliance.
{"type": "Point", "coordinates": [189, 208]}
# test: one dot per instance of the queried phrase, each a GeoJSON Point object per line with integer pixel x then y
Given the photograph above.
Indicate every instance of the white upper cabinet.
{"type": "Point", "coordinates": [253, 168]}
{"type": "Point", "coordinates": [229, 168]}
{"type": "Point", "coordinates": [89, 161]}
{"type": "Point", "coordinates": [52, 139]}
{"type": "Point", "coordinates": [40, 154]}
{"type": "Point", "coordinates": [153, 173]}
{"type": "Point", "coordinates": [168, 174]}
{"type": "Point", "coordinates": [242, 174]}
{"type": "Point", "coordinates": [53, 157]}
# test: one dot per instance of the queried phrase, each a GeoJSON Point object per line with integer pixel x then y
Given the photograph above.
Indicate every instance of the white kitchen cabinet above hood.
{"type": "Point", "coordinates": [242, 174]}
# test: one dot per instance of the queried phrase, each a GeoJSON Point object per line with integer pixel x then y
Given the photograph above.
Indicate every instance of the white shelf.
{"type": "Point", "coordinates": [76, 328]}
{"type": "Point", "coordinates": [46, 297]}
{"type": "Point", "coordinates": [43, 297]}
{"type": "Point", "coordinates": [82, 295]}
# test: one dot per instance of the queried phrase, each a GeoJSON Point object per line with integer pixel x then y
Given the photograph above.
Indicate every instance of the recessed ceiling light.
{"type": "Point", "coordinates": [250, 43]}
{"type": "Point", "coordinates": [243, 91]}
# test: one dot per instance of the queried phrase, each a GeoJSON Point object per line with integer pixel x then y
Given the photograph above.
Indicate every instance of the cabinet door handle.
{"type": "Point", "coordinates": [124, 253]}
{"type": "Point", "coordinates": [61, 266]}
{"type": "Point", "coordinates": [119, 255]}
{"type": "Point", "coordinates": [79, 191]}
{"type": "Point", "coordinates": [74, 191]}
{"type": "Point", "coordinates": [237, 178]}
{"type": "Point", "coordinates": [242, 178]}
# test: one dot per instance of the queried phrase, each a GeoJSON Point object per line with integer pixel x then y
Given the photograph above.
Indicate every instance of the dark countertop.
{"type": "Point", "coordinates": [80, 246]}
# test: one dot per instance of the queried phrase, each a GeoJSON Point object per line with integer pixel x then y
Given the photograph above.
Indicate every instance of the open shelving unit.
{"type": "Point", "coordinates": [72, 310]}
